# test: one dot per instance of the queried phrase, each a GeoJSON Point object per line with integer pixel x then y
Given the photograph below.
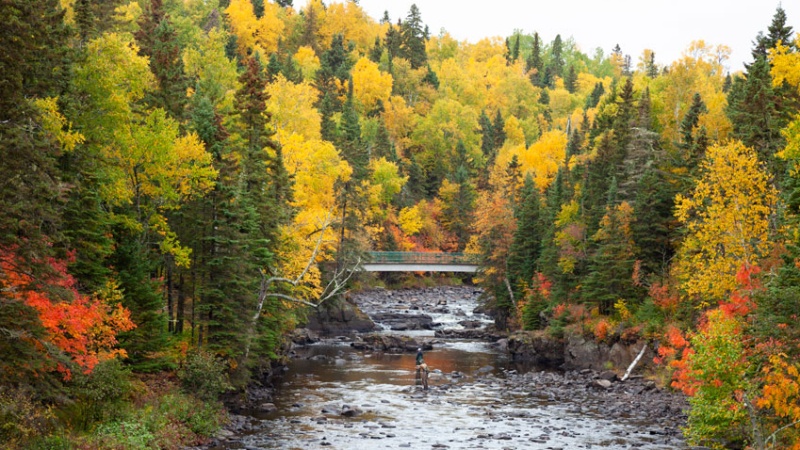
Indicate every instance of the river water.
{"type": "Point", "coordinates": [336, 397]}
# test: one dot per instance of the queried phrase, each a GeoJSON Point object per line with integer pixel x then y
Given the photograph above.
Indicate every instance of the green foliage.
{"type": "Point", "coordinates": [22, 417]}
{"type": "Point", "coordinates": [100, 396]}
{"type": "Point", "coordinates": [717, 373]}
{"type": "Point", "coordinates": [127, 434]}
{"type": "Point", "coordinates": [204, 375]}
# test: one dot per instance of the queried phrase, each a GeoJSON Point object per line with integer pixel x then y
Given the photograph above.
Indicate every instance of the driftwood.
{"type": "Point", "coordinates": [635, 361]}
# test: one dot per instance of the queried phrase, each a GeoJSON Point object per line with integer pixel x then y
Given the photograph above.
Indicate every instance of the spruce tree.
{"type": "Point", "coordinates": [487, 135]}
{"type": "Point", "coordinates": [525, 250]}
{"type": "Point", "coordinates": [571, 80]}
{"type": "Point", "coordinates": [533, 63]}
{"type": "Point", "coordinates": [413, 37]}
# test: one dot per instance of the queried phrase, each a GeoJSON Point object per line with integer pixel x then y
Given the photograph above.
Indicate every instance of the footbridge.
{"type": "Point", "coordinates": [421, 262]}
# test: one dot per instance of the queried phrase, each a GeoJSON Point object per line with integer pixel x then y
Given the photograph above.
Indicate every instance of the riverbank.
{"type": "Point", "coordinates": [345, 390]}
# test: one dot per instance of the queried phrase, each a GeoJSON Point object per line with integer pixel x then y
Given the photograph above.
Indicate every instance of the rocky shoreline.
{"type": "Point", "coordinates": [573, 375]}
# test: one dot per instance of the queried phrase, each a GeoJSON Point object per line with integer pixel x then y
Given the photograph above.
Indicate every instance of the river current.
{"type": "Point", "coordinates": [336, 397]}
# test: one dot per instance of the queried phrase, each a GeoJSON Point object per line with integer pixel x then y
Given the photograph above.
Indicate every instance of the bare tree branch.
{"type": "Point", "coordinates": [334, 287]}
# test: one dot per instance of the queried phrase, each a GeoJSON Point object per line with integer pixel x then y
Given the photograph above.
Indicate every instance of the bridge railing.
{"type": "Point", "coordinates": [424, 258]}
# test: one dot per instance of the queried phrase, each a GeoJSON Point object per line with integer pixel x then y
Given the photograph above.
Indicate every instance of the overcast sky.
{"type": "Point", "coordinates": [665, 26]}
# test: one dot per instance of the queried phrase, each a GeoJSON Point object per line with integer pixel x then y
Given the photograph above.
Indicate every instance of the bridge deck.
{"type": "Point", "coordinates": [421, 262]}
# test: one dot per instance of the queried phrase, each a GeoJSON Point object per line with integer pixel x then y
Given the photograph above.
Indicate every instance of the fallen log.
{"type": "Point", "coordinates": [633, 364]}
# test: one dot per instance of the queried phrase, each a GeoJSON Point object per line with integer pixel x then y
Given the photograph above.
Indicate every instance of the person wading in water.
{"type": "Point", "coordinates": [422, 370]}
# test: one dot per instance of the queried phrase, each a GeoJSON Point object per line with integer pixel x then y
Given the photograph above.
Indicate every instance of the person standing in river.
{"type": "Point", "coordinates": [422, 370]}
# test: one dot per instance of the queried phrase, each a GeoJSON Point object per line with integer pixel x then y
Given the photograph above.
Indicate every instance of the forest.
{"type": "Point", "coordinates": [181, 182]}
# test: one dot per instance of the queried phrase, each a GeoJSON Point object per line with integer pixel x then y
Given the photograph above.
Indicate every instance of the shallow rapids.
{"type": "Point", "coordinates": [334, 396]}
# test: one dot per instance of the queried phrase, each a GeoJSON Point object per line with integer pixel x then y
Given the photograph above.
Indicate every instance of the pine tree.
{"type": "Point", "coordinates": [413, 39]}
{"type": "Point", "coordinates": [526, 247]}
{"type": "Point", "coordinates": [654, 229]}
{"type": "Point", "coordinates": [377, 51]}
{"type": "Point", "coordinates": [459, 211]}
{"type": "Point", "coordinates": [757, 109]}
{"type": "Point", "coordinates": [533, 64]}
{"type": "Point", "coordinates": [611, 267]}
{"type": "Point", "coordinates": [693, 142]}
{"type": "Point", "coordinates": [556, 65]}
{"type": "Point", "coordinates": [499, 131]}
{"type": "Point", "coordinates": [571, 80]}
{"type": "Point", "coordinates": [158, 40]}
{"type": "Point", "coordinates": [487, 136]}
{"type": "Point", "coordinates": [594, 98]}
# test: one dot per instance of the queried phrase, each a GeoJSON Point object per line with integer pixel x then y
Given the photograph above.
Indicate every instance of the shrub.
{"type": "Point", "coordinates": [100, 395]}
{"type": "Point", "coordinates": [22, 418]}
{"type": "Point", "coordinates": [128, 435]}
{"type": "Point", "coordinates": [203, 375]}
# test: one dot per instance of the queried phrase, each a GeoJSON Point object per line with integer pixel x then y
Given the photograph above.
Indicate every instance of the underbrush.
{"type": "Point", "coordinates": [112, 409]}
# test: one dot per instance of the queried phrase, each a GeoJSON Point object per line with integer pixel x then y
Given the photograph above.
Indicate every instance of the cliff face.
{"type": "Point", "coordinates": [575, 351]}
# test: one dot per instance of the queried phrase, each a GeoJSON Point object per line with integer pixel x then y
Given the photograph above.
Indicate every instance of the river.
{"type": "Point", "coordinates": [337, 397]}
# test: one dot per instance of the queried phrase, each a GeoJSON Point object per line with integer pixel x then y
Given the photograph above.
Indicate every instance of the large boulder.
{"type": "Point", "coordinates": [536, 347]}
{"type": "Point", "coordinates": [339, 318]}
{"type": "Point", "coordinates": [403, 321]}
{"type": "Point", "coordinates": [389, 343]}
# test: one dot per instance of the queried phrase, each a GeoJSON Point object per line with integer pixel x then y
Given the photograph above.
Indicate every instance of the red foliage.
{"type": "Point", "coordinates": [663, 297]}
{"type": "Point", "coordinates": [740, 303]}
{"type": "Point", "coordinates": [82, 327]}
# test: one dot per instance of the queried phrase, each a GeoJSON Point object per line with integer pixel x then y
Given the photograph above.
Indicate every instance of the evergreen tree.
{"type": "Point", "coordinates": [413, 39]}
{"type": "Point", "coordinates": [377, 51]}
{"type": "Point", "coordinates": [431, 78]}
{"type": "Point", "coordinates": [274, 67]}
{"type": "Point", "coordinates": [556, 65]}
{"type": "Point", "coordinates": [84, 20]}
{"type": "Point", "coordinates": [393, 41]}
{"type": "Point", "coordinates": [158, 39]}
{"type": "Point", "coordinates": [384, 147]}
{"type": "Point", "coordinates": [34, 67]}
{"type": "Point", "coordinates": [757, 109]}
{"type": "Point", "coordinates": [651, 67]}
{"type": "Point", "coordinates": [571, 80]}
{"type": "Point", "coordinates": [611, 267]}
{"type": "Point", "coordinates": [499, 131]}
{"type": "Point", "coordinates": [458, 212]}
{"type": "Point", "coordinates": [525, 249]}
{"type": "Point", "coordinates": [533, 64]}
{"type": "Point", "coordinates": [487, 136]}
{"type": "Point", "coordinates": [654, 229]}
{"type": "Point", "coordinates": [515, 48]}
{"type": "Point", "coordinates": [594, 98]}
{"type": "Point", "coordinates": [258, 8]}
{"type": "Point", "coordinates": [693, 142]}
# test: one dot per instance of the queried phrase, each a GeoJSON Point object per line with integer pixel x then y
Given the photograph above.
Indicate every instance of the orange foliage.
{"type": "Point", "coordinates": [84, 328]}
{"type": "Point", "coordinates": [602, 329]}
{"type": "Point", "coordinates": [663, 297]}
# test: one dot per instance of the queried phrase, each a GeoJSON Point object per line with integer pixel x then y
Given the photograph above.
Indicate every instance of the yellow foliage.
{"type": "Point", "coordinates": [785, 65]}
{"type": "Point", "coordinates": [543, 157]}
{"type": "Point", "coordinates": [786, 69]}
{"type": "Point", "coordinates": [410, 220]}
{"type": "Point", "coordinates": [514, 133]}
{"type": "Point", "coordinates": [727, 222]}
{"type": "Point", "coordinates": [700, 70]}
{"type": "Point", "coordinates": [217, 76]}
{"type": "Point", "coordinates": [315, 165]}
{"type": "Point", "coordinates": [292, 108]}
{"type": "Point", "coordinates": [386, 182]}
{"type": "Point", "coordinates": [400, 120]}
{"type": "Point", "coordinates": [57, 125]}
{"type": "Point", "coordinates": [370, 85]}
{"type": "Point", "coordinates": [348, 19]}
{"type": "Point", "coordinates": [256, 34]}
{"type": "Point", "coordinates": [308, 62]}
